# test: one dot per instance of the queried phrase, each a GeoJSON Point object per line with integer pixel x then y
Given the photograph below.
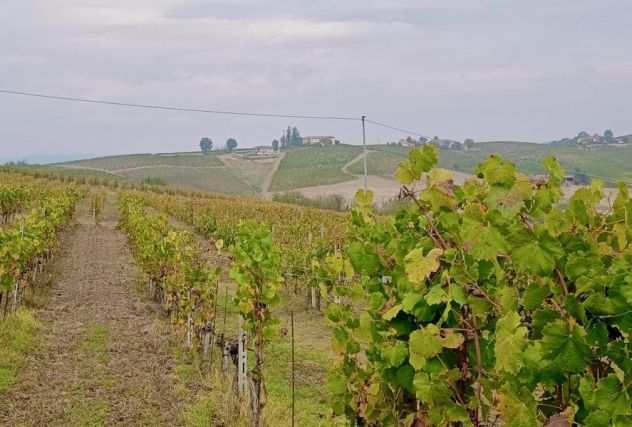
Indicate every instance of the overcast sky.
{"type": "Point", "coordinates": [532, 71]}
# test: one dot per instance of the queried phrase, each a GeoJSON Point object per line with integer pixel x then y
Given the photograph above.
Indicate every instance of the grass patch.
{"type": "Point", "coordinates": [95, 343]}
{"type": "Point", "coordinates": [91, 412]}
{"type": "Point", "coordinates": [312, 398]}
{"type": "Point", "coordinates": [200, 413]}
{"type": "Point", "coordinates": [17, 338]}
{"type": "Point", "coordinates": [217, 404]}
{"type": "Point", "coordinates": [88, 414]}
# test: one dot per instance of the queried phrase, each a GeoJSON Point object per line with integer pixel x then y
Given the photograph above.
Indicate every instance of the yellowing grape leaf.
{"type": "Point", "coordinates": [419, 267]}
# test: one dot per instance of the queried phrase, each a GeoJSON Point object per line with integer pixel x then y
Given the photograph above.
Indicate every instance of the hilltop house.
{"type": "Point", "coordinates": [409, 141]}
{"type": "Point", "coordinates": [320, 140]}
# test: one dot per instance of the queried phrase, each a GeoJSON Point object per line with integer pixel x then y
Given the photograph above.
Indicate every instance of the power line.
{"type": "Point", "coordinates": [406, 131]}
{"type": "Point", "coordinates": [206, 111]}
{"type": "Point", "coordinates": [172, 108]}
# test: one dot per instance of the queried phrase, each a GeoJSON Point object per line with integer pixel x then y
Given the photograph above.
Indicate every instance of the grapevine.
{"type": "Point", "coordinates": [256, 271]}
{"type": "Point", "coordinates": [490, 303]}
{"type": "Point", "coordinates": [172, 261]}
{"type": "Point", "coordinates": [28, 241]}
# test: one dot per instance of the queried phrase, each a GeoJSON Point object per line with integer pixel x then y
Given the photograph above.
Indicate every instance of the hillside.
{"type": "Point", "coordinates": [192, 171]}
{"type": "Point", "coordinates": [311, 166]}
{"type": "Point", "coordinates": [609, 163]}
{"type": "Point", "coordinates": [326, 170]}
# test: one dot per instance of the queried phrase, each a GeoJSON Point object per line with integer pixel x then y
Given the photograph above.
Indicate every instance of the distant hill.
{"type": "Point", "coordinates": [610, 163]}
{"type": "Point", "coordinates": [255, 172]}
{"type": "Point", "coordinates": [584, 138]}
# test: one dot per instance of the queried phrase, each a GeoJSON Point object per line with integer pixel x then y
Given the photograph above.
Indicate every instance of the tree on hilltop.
{"type": "Point", "coordinates": [231, 144]}
{"type": "Point", "coordinates": [295, 138]}
{"type": "Point", "coordinates": [608, 134]}
{"type": "Point", "coordinates": [206, 145]}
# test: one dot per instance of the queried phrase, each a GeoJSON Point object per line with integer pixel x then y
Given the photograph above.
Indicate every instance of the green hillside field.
{"type": "Point", "coordinates": [309, 166]}
{"type": "Point", "coordinates": [610, 163]}
{"type": "Point", "coordinates": [313, 166]}
{"type": "Point", "coordinates": [114, 163]}
{"type": "Point", "coordinates": [214, 180]}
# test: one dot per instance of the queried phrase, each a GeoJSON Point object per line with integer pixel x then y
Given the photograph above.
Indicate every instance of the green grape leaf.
{"type": "Point", "coordinates": [420, 160]}
{"type": "Point", "coordinates": [534, 296]}
{"type": "Point", "coordinates": [566, 348]}
{"type": "Point", "coordinates": [410, 300]}
{"type": "Point", "coordinates": [532, 258]}
{"type": "Point", "coordinates": [608, 395]}
{"type": "Point", "coordinates": [517, 409]}
{"type": "Point", "coordinates": [363, 259]}
{"type": "Point", "coordinates": [337, 384]}
{"type": "Point", "coordinates": [554, 170]}
{"type": "Point", "coordinates": [424, 158]}
{"type": "Point", "coordinates": [436, 295]}
{"type": "Point", "coordinates": [497, 171]}
{"type": "Point", "coordinates": [483, 242]}
{"type": "Point", "coordinates": [405, 174]}
{"type": "Point", "coordinates": [511, 339]}
{"type": "Point", "coordinates": [423, 386]}
{"type": "Point", "coordinates": [396, 354]}
{"type": "Point", "coordinates": [508, 298]}
{"type": "Point", "coordinates": [457, 294]}
{"type": "Point", "coordinates": [424, 344]}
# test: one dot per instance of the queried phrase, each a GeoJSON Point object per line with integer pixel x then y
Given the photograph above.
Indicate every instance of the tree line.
{"type": "Point", "coordinates": [206, 144]}
{"type": "Point", "coordinates": [290, 137]}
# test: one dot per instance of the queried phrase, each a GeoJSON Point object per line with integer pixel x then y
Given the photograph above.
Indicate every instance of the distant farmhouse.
{"type": "Point", "coordinates": [409, 141]}
{"type": "Point", "coordinates": [320, 140]}
{"type": "Point", "coordinates": [444, 144]}
{"type": "Point", "coordinates": [585, 139]}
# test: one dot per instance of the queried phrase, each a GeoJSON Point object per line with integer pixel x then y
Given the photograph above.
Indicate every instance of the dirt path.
{"type": "Point", "coordinates": [109, 172]}
{"type": "Point", "coordinates": [137, 168]}
{"type": "Point", "coordinates": [267, 183]}
{"type": "Point", "coordinates": [356, 159]}
{"type": "Point", "coordinates": [104, 356]}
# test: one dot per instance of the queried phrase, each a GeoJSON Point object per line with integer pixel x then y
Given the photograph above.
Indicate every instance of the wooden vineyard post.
{"type": "Point", "coordinates": [209, 329]}
{"type": "Point", "coordinates": [190, 324]}
{"type": "Point", "coordinates": [293, 379]}
{"type": "Point", "coordinates": [311, 296]}
{"type": "Point", "coordinates": [206, 341]}
{"type": "Point", "coordinates": [226, 357]}
{"type": "Point", "coordinates": [16, 289]}
{"type": "Point", "coordinates": [4, 296]}
{"type": "Point", "coordinates": [242, 360]}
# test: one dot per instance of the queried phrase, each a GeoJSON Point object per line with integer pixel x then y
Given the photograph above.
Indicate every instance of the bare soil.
{"type": "Point", "coordinates": [104, 356]}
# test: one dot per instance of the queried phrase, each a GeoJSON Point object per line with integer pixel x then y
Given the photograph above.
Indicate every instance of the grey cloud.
{"type": "Point", "coordinates": [486, 69]}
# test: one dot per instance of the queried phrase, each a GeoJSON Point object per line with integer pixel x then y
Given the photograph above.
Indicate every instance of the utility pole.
{"type": "Point", "coordinates": [365, 154]}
